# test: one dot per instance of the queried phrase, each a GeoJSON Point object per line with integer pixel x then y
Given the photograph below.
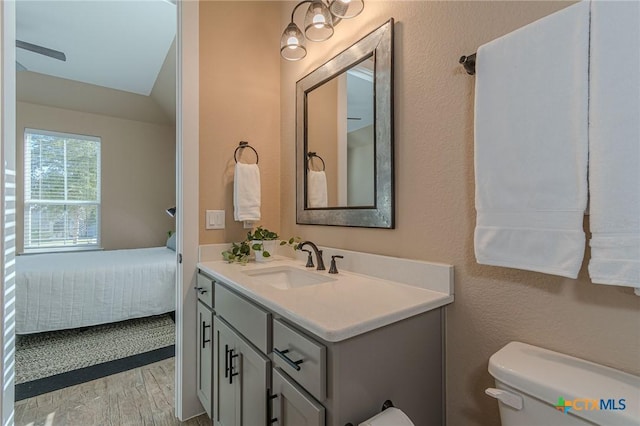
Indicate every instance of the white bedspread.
{"type": "Point", "coordinates": [56, 291]}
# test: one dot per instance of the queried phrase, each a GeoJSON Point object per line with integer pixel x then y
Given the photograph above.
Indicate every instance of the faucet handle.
{"type": "Point", "coordinates": [309, 259]}
{"type": "Point", "coordinates": [334, 269]}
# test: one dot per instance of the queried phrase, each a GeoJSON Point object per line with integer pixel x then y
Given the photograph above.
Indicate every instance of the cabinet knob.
{"type": "Point", "coordinates": [200, 290]}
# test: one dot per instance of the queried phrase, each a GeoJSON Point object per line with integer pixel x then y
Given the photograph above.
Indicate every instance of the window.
{"type": "Point", "coordinates": [61, 191]}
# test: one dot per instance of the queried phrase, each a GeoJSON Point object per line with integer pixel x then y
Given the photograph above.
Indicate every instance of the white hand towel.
{"type": "Point", "coordinates": [246, 192]}
{"type": "Point", "coordinates": [531, 145]}
{"type": "Point", "coordinates": [614, 143]}
{"type": "Point", "coordinates": [316, 189]}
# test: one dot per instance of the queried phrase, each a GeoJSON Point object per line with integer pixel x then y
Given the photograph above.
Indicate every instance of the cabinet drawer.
{"type": "Point", "coordinates": [301, 358]}
{"type": "Point", "coordinates": [253, 322]}
{"type": "Point", "coordinates": [204, 288]}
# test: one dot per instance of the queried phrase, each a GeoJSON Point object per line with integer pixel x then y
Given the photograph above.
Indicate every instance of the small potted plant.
{"type": "Point", "coordinates": [263, 243]}
{"type": "Point", "coordinates": [239, 253]}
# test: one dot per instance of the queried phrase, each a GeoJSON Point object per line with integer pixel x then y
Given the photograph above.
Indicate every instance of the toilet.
{"type": "Point", "coordinates": [539, 387]}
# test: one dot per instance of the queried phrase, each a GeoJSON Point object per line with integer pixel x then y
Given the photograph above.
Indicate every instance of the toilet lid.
{"type": "Point", "coordinates": [549, 375]}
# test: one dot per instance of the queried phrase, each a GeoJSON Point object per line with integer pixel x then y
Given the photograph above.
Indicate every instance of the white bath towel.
{"type": "Point", "coordinates": [316, 189]}
{"type": "Point", "coordinates": [531, 145]}
{"type": "Point", "coordinates": [614, 143]}
{"type": "Point", "coordinates": [246, 192]}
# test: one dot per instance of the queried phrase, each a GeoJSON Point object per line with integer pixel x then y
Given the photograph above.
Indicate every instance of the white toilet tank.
{"type": "Point", "coordinates": [539, 387]}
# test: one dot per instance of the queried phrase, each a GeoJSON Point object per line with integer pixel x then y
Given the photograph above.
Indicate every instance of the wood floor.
{"type": "Point", "coordinates": [142, 396]}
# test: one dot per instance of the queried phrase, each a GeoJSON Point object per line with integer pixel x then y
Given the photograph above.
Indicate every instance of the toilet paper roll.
{"type": "Point", "coordinates": [389, 417]}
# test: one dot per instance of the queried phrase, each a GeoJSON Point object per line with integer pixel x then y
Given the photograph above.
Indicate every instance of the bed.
{"type": "Point", "coordinates": [56, 291]}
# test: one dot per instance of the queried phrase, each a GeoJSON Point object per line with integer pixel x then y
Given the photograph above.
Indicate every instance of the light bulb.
{"type": "Point", "coordinates": [318, 23]}
{"type": "Point", "coordinates": [292, 42]}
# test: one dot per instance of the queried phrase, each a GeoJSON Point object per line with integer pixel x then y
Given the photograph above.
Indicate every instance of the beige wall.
{"type": "Point", "coordinates": [239, 100]}
{"type": "Point", "coordinates": [435, 202]}
{"type": "Point", "coordinates": [42, 89]}
{"type": "Point", "coordinates": [138, 172]}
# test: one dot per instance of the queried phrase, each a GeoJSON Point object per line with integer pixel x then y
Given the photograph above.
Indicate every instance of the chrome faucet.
{"type": "Point", "coordinates": [318, 254]}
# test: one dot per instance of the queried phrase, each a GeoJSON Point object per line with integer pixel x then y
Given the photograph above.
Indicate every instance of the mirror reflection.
{"type": "Point", "coordinates": [344, 137]}
{"type": "Point", "coordinates": [341, 139]}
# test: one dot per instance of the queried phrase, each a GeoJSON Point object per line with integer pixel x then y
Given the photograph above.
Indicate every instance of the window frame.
{"type": "Point", "coordinates": [98, 202]}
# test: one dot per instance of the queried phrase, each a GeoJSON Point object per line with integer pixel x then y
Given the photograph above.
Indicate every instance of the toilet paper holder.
{"type": "Point", "coordinates": [385, 405]}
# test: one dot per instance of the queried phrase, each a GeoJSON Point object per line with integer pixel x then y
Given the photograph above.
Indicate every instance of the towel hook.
{"type": "Point", "coordinates": [469, 63]}
{"type": "Point", "coordinates": [310, 155]}
{"type": "Point", "coordinates": [242, 145]}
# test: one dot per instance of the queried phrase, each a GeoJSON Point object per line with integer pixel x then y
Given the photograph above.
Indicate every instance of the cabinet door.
{"type": "Point", "coordinates": [292, 405]}
{"type": "Point", "coordinates": [204, 356]}
{"type": "Point", "coordinates": [254, 369]}
{"type": "Point", "coordinates": [226, 406]}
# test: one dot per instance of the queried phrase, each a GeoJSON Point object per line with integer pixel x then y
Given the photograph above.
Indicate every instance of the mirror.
{"type": "Point", "coordinates": [344, 137]}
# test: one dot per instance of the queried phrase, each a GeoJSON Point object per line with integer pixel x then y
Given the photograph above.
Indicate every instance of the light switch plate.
{"type": "Point", "coordinates": [214, 219]}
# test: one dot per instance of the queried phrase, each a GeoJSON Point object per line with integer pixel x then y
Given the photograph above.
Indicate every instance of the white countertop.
{"type": "Point", "coordinates": [337, 310]}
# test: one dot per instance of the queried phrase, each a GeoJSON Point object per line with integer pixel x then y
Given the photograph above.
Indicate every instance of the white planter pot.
{"type": "Point", "coordinates": [269, 246]}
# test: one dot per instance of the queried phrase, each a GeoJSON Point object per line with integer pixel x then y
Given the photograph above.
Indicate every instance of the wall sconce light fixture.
{"type": "Point", "coordinates": [319, 21]}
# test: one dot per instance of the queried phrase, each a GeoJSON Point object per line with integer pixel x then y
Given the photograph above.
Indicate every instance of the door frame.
{"type": "Point", "coordinates": [187, 140]}
{"type": "Point", "coordinates": [187, 404]}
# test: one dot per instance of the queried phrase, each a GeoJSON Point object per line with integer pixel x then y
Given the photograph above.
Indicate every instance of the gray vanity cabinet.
{"type": "Point", "coordinates": [204, 354]}
{"type": "Point", "coordinates": [241, 379]}
{"type": "Point", "coordinates": [291, 405]}
{"type": "Point", "coordinates": [269, 371]}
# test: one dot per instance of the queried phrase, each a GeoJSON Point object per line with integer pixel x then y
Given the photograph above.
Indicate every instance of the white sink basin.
{"type": "Point", "coordinates": [286, 277]}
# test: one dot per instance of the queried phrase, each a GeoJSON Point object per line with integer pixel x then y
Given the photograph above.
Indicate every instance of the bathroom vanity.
{"type": "Point", "coordinates": [282, 344]}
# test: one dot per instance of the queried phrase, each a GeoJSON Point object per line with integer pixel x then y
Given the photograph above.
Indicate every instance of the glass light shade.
{"type": "Point", "coordinates": [292, 43]}
{"type": "Point", "coordinates": [346, 9]}
{"type": "Point", "coordinates": [318, 23]}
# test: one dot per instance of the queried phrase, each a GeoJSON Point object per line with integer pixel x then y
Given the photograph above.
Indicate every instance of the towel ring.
{"type": "Point", "coordinates": [242, 145]}
{"type": "Point", "coordinates": [469, 63]}
{"type": "Point", "coordinates": [310, 155]}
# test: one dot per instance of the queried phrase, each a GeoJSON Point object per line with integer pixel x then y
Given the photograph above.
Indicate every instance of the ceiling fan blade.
{"type": "Point", "coordinates": [56, 54]}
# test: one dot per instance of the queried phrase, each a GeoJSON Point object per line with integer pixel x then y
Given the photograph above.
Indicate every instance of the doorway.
{"type": "Point", "coordinates": [186, 152]}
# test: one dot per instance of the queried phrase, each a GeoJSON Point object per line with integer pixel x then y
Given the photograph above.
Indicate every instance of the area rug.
{"type": "Point", "coordinates": [53, 360]}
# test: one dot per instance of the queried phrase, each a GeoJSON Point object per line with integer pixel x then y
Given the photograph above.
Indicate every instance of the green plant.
{"type": "Point", "coordinates": [261, 234]}
{"type": "Point", "coordinates": [293, 242]}
{"type": "Point", "coordinates": [239, 252]}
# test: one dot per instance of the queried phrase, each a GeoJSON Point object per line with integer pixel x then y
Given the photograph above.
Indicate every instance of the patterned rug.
{"type": "Point", "coordinates": [52, 353]}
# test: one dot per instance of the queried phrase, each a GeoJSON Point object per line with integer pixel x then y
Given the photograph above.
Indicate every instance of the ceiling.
{"type": "Point", "coordinates": [110, 43]}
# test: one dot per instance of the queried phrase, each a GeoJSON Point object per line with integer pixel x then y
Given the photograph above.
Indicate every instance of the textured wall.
{"type": "Point", "coordinates": [239, 100]}
{"type": "Point", "coordinates": [138, 172]}
{"type": "Point", "coordinates": [435, 204]}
